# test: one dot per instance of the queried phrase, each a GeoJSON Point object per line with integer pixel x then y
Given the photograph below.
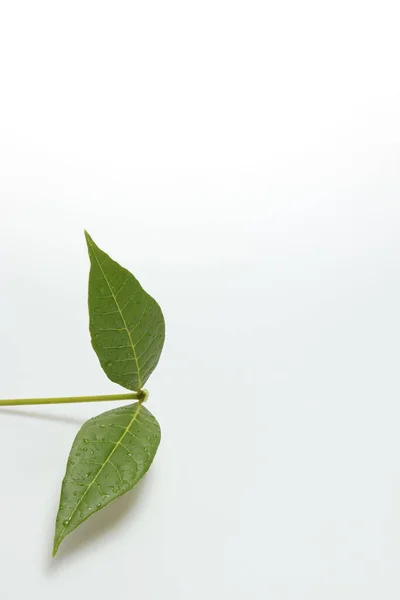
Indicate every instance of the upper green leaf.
{"type": "Point", "coordinates": [108, 457]}
{"type": "Point", "coordinates": [126, 324]}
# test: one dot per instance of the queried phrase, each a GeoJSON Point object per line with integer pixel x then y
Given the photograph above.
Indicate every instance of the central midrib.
{"type": "Point", "coordinates": [123, 319]}
{"type": "Point", "coordinates": [102, 467]}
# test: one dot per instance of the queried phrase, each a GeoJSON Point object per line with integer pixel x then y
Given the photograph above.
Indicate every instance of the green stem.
{"type": "Point", "coordinates": [141, 396]}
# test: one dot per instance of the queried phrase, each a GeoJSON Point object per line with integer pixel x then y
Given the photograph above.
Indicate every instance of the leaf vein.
{"type": "Point", "coordinates": [94, 480]}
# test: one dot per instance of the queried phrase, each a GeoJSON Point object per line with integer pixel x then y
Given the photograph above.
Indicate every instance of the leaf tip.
{"type": "Point", "coordinates": [55, 547]}
{"type": "Point", "coordinates": [89, 242]}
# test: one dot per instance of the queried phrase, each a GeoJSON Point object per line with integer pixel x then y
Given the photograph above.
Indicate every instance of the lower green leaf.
{"type": "Point", "coordinates": [110, 454]}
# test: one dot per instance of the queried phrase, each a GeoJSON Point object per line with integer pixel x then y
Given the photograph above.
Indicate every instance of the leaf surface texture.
{"type": "Point", "coordinates": [127, 326]}
{"type": "Point", "coordinates": [110, 454]}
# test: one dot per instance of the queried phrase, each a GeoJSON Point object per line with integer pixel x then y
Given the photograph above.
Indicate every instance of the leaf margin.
{"type": "Point", "coordinates": [107, 365]}
{"type": "Point", "coordinates": [58, 539]}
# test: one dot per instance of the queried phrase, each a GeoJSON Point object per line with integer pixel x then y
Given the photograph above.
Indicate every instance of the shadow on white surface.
{"type": "Point", "coordinates": [42, 416]}
{"type": "Point", "coordinates": [110, 519]}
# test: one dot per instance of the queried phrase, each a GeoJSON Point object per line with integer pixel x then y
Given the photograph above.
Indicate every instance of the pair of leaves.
{"type": "Point", "coordinates": [113, 451]}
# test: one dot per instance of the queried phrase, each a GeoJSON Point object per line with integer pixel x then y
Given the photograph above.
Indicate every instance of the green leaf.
{"type": "Point", "coordinates": [110, 454]}
{"type": "Point", "coordinates": [126, 324]}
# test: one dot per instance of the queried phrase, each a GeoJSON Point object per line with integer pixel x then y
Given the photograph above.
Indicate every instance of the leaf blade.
{"type": "Point", "coordinates": [127, 326]}
{"type": "Point", "coordinates": [109, 455]}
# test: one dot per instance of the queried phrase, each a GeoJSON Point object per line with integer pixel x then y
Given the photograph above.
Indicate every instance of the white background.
{"type": "Point", "coordinates": [242, 159]}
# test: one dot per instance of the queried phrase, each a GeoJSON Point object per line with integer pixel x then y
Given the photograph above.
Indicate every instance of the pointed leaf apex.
{"type": "Point", "coordinates": [126, 324]}
{"type": "Point", "coordinates": [131, 435]}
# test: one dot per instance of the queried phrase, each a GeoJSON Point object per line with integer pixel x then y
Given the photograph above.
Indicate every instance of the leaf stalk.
{"type": "Point", "coordinates": [141, 396]}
